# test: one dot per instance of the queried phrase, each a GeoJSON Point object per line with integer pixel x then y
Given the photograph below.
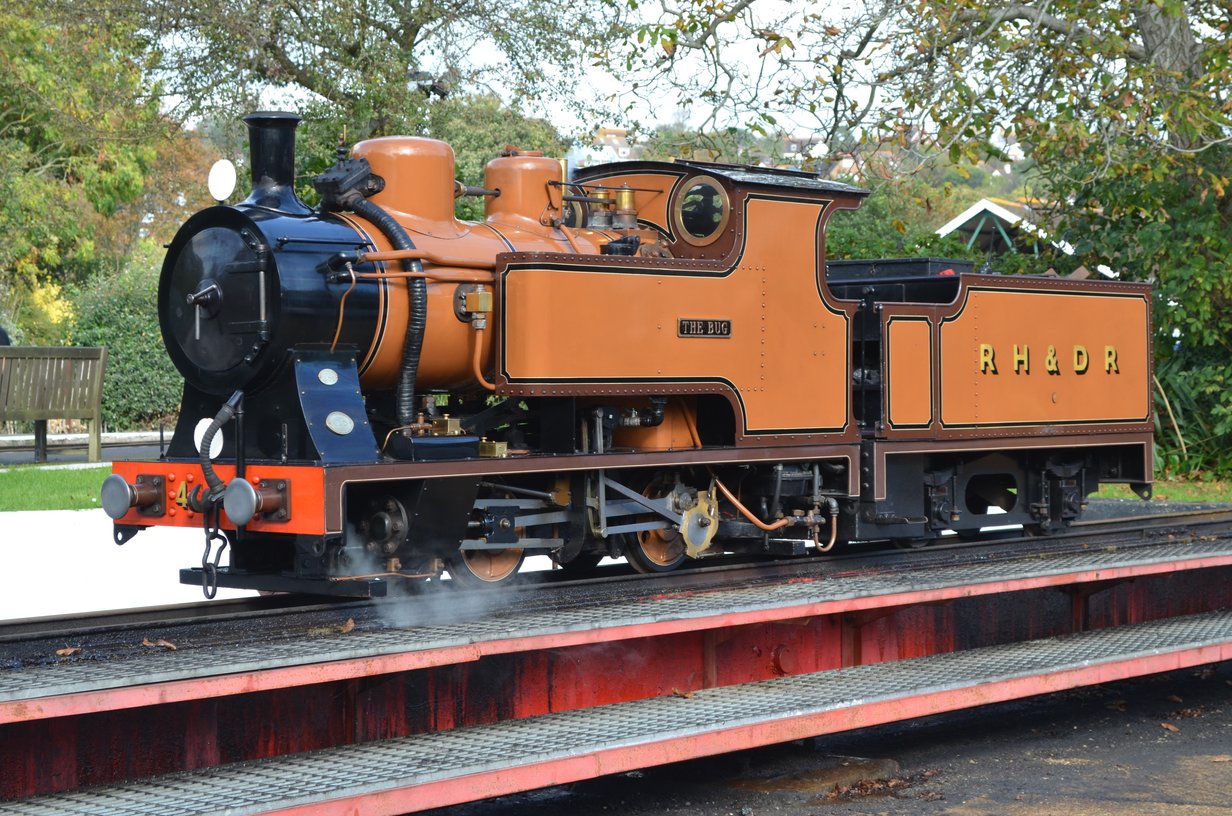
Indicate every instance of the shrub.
{"type": "Point", "coordinates": [120, 311]}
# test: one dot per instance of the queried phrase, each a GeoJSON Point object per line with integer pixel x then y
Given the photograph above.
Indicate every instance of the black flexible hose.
{"type": "Point", "coordinates": [417, 292]}
{"type": "Point", "coordinates": [207, 467]}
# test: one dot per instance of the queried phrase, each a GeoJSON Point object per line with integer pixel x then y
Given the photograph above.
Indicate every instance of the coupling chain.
{"type": "Point", "coordinates": [209, 566]}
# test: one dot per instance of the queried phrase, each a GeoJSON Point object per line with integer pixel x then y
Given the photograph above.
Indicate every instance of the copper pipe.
{"type": "Point", "coordinates": [340, 578]}
{"type": "Point", "coordinates": [419, 427]}
{"type": "Point", "coordinates": [568, 233]}
{"type": "Point", "coordinates": [342, 308]}
{"type": "Point", "coordinates": [424, 255]}
{"type": "Point", "coordinates": [690, 421]}
{"type": "Point", "coordinates": [475, 367]}
{"type": "Point", "coordinates": [833, 532]}
{"type": "Point", "coordinates": [744, 511]}
{"type": "Point", "coordinates": [581, 185]}
{"type": "Point", "coordinates": [435, 277]}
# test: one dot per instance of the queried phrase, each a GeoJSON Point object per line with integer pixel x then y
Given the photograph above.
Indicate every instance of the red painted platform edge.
{"type": "Point", "coordinates": [618, 760]}
{"type": "Point", "coordinates": [93, 701]}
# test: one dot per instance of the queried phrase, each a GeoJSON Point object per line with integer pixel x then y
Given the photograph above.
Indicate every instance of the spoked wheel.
{"type": "Point", "coordinates": [484, 568]}
{"type": "Point", "coordinates": [652, 551]}
{"type": "Point", "coordinates": [655, 550]}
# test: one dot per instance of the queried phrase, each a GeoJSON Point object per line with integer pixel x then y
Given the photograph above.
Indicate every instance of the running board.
{"type": "Point", "coordinates": [333, 587]}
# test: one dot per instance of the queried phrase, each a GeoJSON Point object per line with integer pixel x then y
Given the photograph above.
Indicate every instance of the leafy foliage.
{"type": "Point", "coordinates": [959, 75]}
{"type": "Point", "coordinates": [47, 229]}
{"type": "Point", "coordinates": [77, 100]}
{"type": "Point", "coordinates": [1172, 229]}
{"type": "Point", "coordinates": [79, 129]}
{"type": "Point", "coordinates": [1122, 108]}
{"type": "Point", "coordinates": [900, 216]}
{"type": "Point", "coordinates": [377, 60]}
{"type": "Point", "coordinates": [879, 230]}
{"type": "Point", "coordinates": [119, 310]}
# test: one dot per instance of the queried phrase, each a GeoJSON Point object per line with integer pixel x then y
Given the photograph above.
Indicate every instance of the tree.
{"type": "Point", "coordinates": [118, 309]}
{"type": "Point", "coordinates": [959, 74]}
{"type": "Point", "coordinates": [1123, 107]}
{"type": "Point", "coordinates": [1167, 221]}
{"type": "Point", "coordinates": [376, 62]}
{"type": "Point", "coordinates": [79, 128]}
{"type": "Point", "coordinates": [355, 70]}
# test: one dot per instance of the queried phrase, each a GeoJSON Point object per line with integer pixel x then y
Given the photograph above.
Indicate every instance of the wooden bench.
{"type": "Point", "coordinates": [39, 384]}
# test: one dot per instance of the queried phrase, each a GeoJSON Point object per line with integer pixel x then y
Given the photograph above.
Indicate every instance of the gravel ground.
{"type": "Point", "coordinates": [1154, 746]}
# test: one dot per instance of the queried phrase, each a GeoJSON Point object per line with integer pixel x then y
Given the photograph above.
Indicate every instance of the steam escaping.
{"type": "Point", "coordinates": [413, 602]}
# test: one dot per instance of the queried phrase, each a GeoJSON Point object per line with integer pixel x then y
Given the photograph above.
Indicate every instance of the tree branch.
{"type": "Point", "coordinates": [1049, 22]}
{"type": "Point", "coordinates": [699, 41]}
{"type": "Point", "coordinates": [310, 80]}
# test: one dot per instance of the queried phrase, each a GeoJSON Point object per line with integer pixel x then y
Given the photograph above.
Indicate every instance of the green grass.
{"type": "Point", "coordinates": [30, 487]}
{"type": "Point", "coordinates": [1173, 490]}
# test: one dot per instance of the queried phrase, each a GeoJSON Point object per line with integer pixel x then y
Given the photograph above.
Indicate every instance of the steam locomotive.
{"type": "Point", "coordinates": [649, 359]}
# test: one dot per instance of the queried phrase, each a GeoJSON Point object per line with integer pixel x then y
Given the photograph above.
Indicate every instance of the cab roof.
{"type": "Point", "coordinates": [737, 174]}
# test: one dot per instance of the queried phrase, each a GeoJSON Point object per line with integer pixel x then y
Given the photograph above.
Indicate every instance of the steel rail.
{"type": "Point", "coordinates": [554, 589]}
{"type": "Point", "coordinates": [119, 620]}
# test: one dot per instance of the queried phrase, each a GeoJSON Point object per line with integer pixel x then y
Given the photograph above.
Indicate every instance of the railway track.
{"type": "Point", "coordinates": [276, 615]}
{"type": "Point", "coordinates": [76, 625]}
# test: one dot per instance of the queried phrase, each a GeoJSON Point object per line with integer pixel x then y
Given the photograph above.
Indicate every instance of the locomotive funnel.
{"type": "Point", "coordinates": [271, 144]}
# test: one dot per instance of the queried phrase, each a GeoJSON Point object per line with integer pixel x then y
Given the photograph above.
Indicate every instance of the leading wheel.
{"type": "Point", "coordinates": [484, 568]}
{"type": "Point", "coordinates": [655, 550]}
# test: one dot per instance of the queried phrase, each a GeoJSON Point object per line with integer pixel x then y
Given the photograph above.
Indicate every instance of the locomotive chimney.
{"type": "Point", "coordinates": [271, 144]}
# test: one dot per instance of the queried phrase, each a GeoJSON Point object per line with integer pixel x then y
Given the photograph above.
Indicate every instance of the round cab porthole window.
{"type": "Point", "coordinates": [701, 211]}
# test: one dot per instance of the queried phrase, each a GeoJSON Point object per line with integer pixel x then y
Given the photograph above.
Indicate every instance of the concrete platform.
{"type": "Point", "coordinates": [18, 449]}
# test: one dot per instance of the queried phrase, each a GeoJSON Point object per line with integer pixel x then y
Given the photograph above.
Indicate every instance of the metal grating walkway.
{"type": "Point", "coordinates": [34, 682]}
{"type": "Point", "coordinates": [467, 755]}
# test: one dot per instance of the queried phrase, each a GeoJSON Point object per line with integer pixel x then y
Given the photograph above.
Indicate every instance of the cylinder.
{"type": "Point", "coordinates": [271, 150]}
{"type": "Point", "coordinates": [523, 183]}
{"type": "Point", "coordinates": [418, 173]}
{"type": "Point", "coordinates": [626, 209]}
{"type": "Point", "coordinates": [601, 213]}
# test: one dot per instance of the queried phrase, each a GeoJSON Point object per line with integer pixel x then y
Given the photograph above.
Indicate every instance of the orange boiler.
{"type": "Point", "coordinates": [523, 209]}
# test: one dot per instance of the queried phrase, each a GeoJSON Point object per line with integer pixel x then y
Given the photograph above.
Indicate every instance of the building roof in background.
{"type": "Point", "coordinates": [997, 225]}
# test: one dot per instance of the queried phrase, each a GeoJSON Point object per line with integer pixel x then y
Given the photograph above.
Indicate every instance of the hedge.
{"type": "Point", "coordinates": [120, 311]}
